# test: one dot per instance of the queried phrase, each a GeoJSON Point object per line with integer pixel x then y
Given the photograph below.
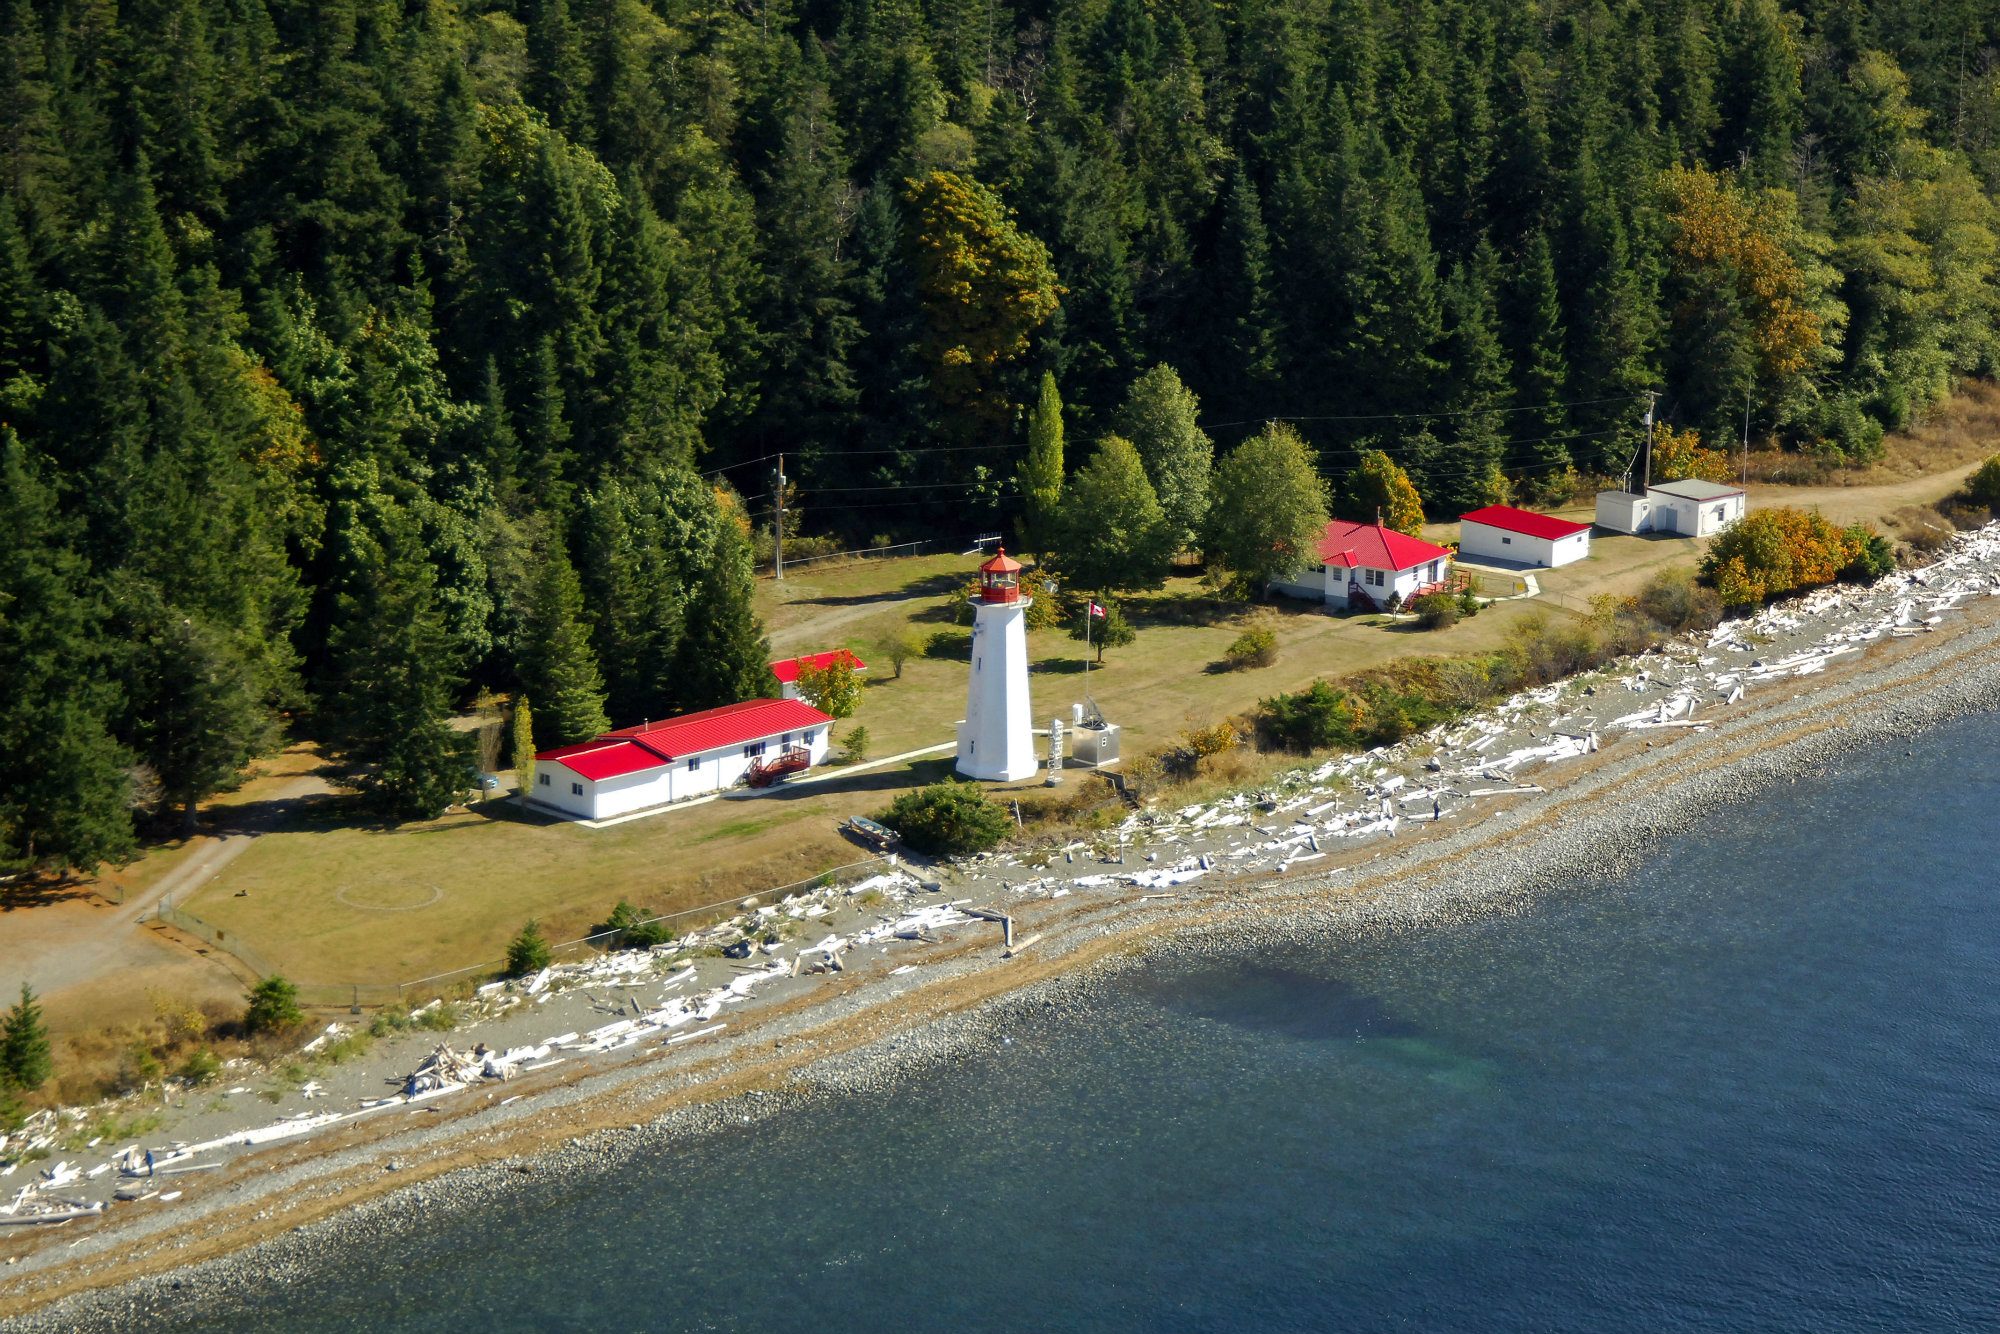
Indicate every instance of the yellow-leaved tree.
{"type": "Point", "coordinates": [984, 286]}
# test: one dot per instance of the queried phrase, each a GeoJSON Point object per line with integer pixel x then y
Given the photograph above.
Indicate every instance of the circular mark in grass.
{"type": "Point", "coordinates": [389, 898]}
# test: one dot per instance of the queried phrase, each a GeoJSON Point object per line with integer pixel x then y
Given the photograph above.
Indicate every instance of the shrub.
{"type": "Point", "coordinates": [854, 746]}
{"type": "Point", "coordinates": [1315, 718]}
{"type": "Point", "coordinates": [1255, 647]}
{"type": "Point", "coordinates": [898, 649]}
{"type": "Point", "coordinates": [630, 930]}
{"type": "Point", "coordinates": [1983, 487]}
{"type": "Point", "coordinates": [528, 952]}
{"type": "Point", "coordinates": [947, 819]}
{"type": "Point", "coordinates": [1468, 603]}
{"type": "Point", "coordinates": [1182, 757]}
{"type": "Point", "coordinates": [1873, 556]}
{"type": "Point", "coordinates": [1673, 601]}
{"type": "Point", "coordinates": [273, 1008]}
{"type": "Point", "coordinates": [202, 1066]}
{"type": "Point", "coordinates": [949, 644]}
{"type": "Point", "coordinates": [1435, 611]}
{"type": "Point", "coordinates": [1772, 552]}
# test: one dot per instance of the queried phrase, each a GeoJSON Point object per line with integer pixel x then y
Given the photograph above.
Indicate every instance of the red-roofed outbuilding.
{"type": "Point", "coordinates": [787, 669]}
{"type": "Point", "coordinates": [1509, 536]}
{"type": "Point", "coordinates": [1368, 565]}
{"type": "Point", "coordinates": [675, 759]}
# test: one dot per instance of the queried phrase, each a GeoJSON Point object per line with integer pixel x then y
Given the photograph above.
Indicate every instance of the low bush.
{"type": "Point", "coordinates": [1255, 647]}
{"type": "Point", "coordinates": [1435, 611]}
{"type": "Point", "coordinates": [947, 819]}
{"type": "Point", "coordinates": [628, 928]}
{"type": "Point", "coordinates": [1983, 487]}
{"type": "Point", "coordinates": [202, 1066]}
{"type": "Point", "coordinates": [1675, 602]}
{"type": "Point", "coordinates": [1468, 603]}
{"type": "Point", "coordinates": [949, 644]}
{"type": "Point", "coordinates": [273, 1008]}
{"type": "Point", "coordinates": [1182, 757]}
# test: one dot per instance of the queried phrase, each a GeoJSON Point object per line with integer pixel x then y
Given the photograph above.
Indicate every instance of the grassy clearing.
{"type": "Point", "coordinates": [329, 901]}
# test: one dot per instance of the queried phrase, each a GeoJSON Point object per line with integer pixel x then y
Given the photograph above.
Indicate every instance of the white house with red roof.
{"type": "Point", "coordinates": [787, 669]}
{"type": "Point", "coordinates": [1510, 536]}
{"type": "Point", "coordinates": [694, 755]}
{"type": "Point", "coordinates": [1365, 565]}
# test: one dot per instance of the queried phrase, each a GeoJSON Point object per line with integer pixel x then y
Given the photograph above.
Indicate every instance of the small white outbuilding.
{"type": "Point", "coordinates": [1509, 536]}
{"type": "Point", "coordinates": [1689, 508]}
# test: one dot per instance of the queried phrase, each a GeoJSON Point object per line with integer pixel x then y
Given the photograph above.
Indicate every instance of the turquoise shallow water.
{"type": "Point", "coordinates": [1754, 1084]}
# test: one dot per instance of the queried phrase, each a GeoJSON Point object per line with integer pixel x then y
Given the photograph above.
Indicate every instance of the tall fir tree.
{"type": "Point", "coordinates": [1041, 470]}
{"type": "Point", "coordinates": [555, 661]}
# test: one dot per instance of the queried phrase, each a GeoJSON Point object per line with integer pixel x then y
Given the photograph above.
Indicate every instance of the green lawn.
{"type": "Point", "coordinates": [332, 901]}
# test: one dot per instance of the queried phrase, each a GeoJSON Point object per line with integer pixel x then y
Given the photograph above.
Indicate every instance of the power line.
{"type": "Point", "coordinates": [1426, 416]}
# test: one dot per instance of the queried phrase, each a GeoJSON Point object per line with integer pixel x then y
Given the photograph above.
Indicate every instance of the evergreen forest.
{"type": "Point", "coordinates": [358, 355]}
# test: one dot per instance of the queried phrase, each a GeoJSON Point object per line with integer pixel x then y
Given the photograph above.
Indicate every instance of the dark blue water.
{"type": "Point", "coordinates": [1755, 1084]}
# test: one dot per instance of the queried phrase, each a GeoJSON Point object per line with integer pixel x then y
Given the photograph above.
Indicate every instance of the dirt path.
{"type": "Point", "coordinates": [95, 963]}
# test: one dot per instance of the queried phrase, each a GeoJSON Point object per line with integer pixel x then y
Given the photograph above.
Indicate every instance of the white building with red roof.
{"type": "Point", "coordinates": [1508, 536]}
{"type": "Point", "coordinates": [787, 669]}
{"type": "Point", "coordinates": [1367, 566]}
{"type": "Point", "coordinates": [694, 755]}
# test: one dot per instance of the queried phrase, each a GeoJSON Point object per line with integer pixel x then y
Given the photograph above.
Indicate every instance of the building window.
{"type": "Point", "coordinates": [785, 740]}
{"type": "Point", "coordinates": [576, 789]}
{"type": "Point", "coordinates": [1506, 541]}
{"type": "Point", "coordinates": [543, 779]}
{"type": "Point", "coordinates": [753, 750]}
{"type": "Point", "coordinates": [694, 762]}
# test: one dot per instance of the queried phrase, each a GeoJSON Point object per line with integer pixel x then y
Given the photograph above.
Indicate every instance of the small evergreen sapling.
{"type": "Point", "coordinates": [528, 952]}
{"type": "Point", "coordinates": [273, 1008]}
{"type": "Point", "coordinates": [25, 1058]}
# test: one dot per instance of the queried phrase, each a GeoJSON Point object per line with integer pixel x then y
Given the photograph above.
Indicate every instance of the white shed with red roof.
{"type": "Point", "coordinates": [693, 755]}
{"type": "Point", "coordinates": [1368, 565]}
{"type": "Point", "coordinates": [787, 669]}
{"type": "Point", "coordinates": [1509, 536]}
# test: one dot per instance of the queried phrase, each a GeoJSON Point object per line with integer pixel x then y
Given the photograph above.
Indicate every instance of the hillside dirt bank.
{"type": "Point", "coordinates": [277, 1190]}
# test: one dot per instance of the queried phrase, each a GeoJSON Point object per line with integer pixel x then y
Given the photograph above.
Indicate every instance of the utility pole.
{"type": "Point", "coordinates": [1746, 437]}
{"type": "Point", "coordinates": [778, 526]}
{"type": "Point", "coordinates": [1646, 448]}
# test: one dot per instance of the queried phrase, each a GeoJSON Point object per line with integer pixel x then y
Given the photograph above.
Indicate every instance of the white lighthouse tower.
{"type": "Point", "coordinates": [996, 741]}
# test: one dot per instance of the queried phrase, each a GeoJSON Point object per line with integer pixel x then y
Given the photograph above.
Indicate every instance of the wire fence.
{"type": "Point", "coordinates": [375, 995]}
{"type": "Point", "coordinates": [861, 553]}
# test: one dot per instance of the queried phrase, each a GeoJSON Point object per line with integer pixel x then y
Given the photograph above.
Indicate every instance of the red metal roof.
{"type": "Point", "coordinates": [654, 745]}
{"type": "Point", "coordinates": [1377, 547]}
{"type": "Point", "coordinates": [787, 669]}
{"type": "Point", "coordinates": [1526, 522]}
{"type": "Point", "coordinates": [605, 758]}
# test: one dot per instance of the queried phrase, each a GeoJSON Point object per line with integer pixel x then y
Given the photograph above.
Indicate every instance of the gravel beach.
{"type": "Point", "coordinates": [1589, 782]}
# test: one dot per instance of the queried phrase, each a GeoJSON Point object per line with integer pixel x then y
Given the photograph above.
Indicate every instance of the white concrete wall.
{"type": "Point", "coordinates": [996, 742]}
{"type": "Point", "coordinates": [551, 788]}
{"type": "Point", "coordinates": [1623, 512]}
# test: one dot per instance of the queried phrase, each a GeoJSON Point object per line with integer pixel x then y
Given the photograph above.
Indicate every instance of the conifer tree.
{"type": "Point", "coordinates": [55, 710]}
{"type": "Point", "coordinates": [1475, 433]}
{"type": "Point", "coordinates": [1160, 418]}
{"type": "Point", "coordinates": [1243, 299]}
{"type": "Point", "coordinates": [556, 662]}
{"type": "Point", "coordinates": [388, 682]}
{"type": "Point", "coordinates": [26, 1061]}
{"type": "Point", "coordinates": [558, 74]}
{"type": "Point", "coordinates": [724, 656]}
{"type": "Point", "coordinates": [1041, 473]}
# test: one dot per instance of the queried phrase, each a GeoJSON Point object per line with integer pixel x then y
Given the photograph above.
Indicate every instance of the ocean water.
{"type": "Point", "coordinates": [1753, 1083]}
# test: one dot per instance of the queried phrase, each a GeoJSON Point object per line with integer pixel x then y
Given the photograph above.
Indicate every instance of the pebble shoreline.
{"type": "Point", "coordinates": [1522, 853]}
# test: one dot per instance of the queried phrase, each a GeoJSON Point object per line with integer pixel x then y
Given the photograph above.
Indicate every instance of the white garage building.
{"type": "Point", "coordinates": [689, 756]}
{"type": "Point", "coordinates": [1690, 508]}
{"type": "Point", "coordinates": [1521, 537]}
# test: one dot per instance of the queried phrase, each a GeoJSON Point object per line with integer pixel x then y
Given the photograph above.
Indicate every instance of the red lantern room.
{"type": "Point", "coordinates": [1000, 578]}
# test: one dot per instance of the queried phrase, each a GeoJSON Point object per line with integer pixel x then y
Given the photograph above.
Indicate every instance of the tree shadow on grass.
{"type": "Point", "coordinates": [39, 891]}
{"type": "Point", "coordinates": [929, 586]}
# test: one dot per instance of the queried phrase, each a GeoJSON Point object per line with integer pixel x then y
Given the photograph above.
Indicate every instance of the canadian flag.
{"type": "Point", "coordinates": [1097, 611]}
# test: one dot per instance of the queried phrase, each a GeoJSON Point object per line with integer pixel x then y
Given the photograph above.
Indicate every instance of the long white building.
{"type": "Point", "coordinates": [693, 755]}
